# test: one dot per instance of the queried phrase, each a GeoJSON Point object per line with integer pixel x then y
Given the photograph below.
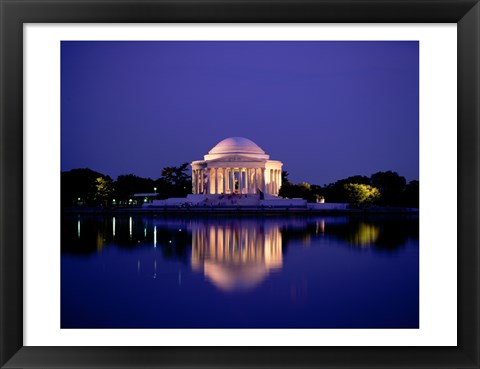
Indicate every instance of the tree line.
{"type": "Point", "coordinates": [87, 187]}
{"type": "Point", "coordinates": [380, 189]}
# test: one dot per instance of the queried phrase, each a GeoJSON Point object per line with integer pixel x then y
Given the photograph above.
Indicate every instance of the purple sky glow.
{"type": "Point", "coordinates": [327, 110]}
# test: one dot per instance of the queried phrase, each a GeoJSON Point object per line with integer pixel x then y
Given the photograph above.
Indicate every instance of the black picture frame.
{"type": "Point", "coordinates": [14, 13]}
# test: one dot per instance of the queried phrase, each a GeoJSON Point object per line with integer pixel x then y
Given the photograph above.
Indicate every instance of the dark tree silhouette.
{"type": "Point", "coordinates": [78, 186]}
{"type": "Point", "coordinates": [129, 184]}
{"type": "Point", "coordinates": [391, 186]}
{"type": "Point", "coordinates": [175, 181]}
{"type": "Point", "coordinates": [411, 196]}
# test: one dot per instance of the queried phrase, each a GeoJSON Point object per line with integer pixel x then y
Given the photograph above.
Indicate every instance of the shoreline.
{"type": "Point", "coordinates": [237, 210]}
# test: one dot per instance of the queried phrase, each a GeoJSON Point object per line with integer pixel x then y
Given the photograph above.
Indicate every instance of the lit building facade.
{"type": "Point", "coordinates": [236, 165]}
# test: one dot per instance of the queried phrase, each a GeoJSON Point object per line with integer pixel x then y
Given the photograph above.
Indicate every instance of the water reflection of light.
{"type": "Point", "coordinates": [130, 226]}
{"type": "Point", "coordinates": [155, 236]}
{"type": "Point", "coordinates": [306, 240]}
{"type": "Point", "coordinates": [100, 240]}
{"type": "Point", "coordinates": [236, 256]}
{"type": "Point", "coordinates": [78, 228]}
{"type": "Point", "coordinates": [320, 226]}
{"type": "Point", "coordinates": [113, 221]}
{"type": "Point", "coordinates": [366, 235]}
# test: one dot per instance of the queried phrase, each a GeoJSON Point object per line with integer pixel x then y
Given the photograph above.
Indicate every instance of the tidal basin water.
{"type": "Point", "coordinates": [214, 271]}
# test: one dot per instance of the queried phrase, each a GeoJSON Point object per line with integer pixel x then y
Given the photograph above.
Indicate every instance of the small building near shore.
{"type": "Point", "coordinates": [142, 198]}
{"type": "Point", "coordinates": [236, 165]}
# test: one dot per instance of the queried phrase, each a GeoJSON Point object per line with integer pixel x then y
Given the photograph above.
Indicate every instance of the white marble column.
{"type": "Point", "coordinates": [227, 179]}
{"type": "Point", "coordinates": [240, 180]}
{"type": "Point", "coordinates": [211, 186]}
{"type": "Point", "coordinates": [232, 181]}
{"type": "Point", "coordinates": [275, 183]}
{"type": "Point", "coordinates": [275, 180]}
{"type": "Point", "coordinates": [253, 171]}
{"type": "Point", "coordinates": [216, 181]}
{"type": "Point", "coordinates": [263, 180]}
{"type": "Point", "coordinates": [255, 181]}
{"type": "Point", "coordinates": [205, 181]}
{"type": "Point", "coordinates": [272, 182]}
{"type": "Point", "coordinates": [279, 176]}
{"type": "Point", "coordinates": [223, 180]}
{"type": "Point", "coordinates": [246, 181]}
{"type": "Point", "coordinates": [193, 180]}
{"type": "Point", "coordinates": [199, 184]}
{"type": "Point", "coordinates": [249, 180]}
{"type": "Point", "coordinates": [207, 185]}
{"type": "Point", "coordinates": [272, 190]}
{"type": "Point", "coordinates": [198, 181]}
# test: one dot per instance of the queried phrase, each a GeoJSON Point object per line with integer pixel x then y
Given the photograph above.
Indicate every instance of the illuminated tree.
{"type": "Point", "coordinates": [361, 194]}
{"type": "Point", "coordinates": [305, 186]}
{"type": "Point", "coordinates": [103, 190]}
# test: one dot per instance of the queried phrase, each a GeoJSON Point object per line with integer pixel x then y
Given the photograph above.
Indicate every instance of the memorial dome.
{"type": "Point", "coordinates": [236, 165]}
{"type": "Point", "coordinates": [237, 145]}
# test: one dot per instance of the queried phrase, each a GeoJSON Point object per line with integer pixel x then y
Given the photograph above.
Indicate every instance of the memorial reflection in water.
{"type": "Point", "coordinates": [212, 271]}
{"type": "Point", "coordinates": [236, 254]}
{"type": "Point", "coordinates": [233, 253]}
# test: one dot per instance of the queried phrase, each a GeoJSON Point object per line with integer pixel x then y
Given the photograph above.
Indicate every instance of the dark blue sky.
{"type": "Point", "coordinates": [327, 110]}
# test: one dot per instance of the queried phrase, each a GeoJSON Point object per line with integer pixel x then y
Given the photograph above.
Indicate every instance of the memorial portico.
{"type": "Point", "coordinates": [236, 165]}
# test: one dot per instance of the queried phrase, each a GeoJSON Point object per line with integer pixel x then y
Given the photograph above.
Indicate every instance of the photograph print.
{"type": "Point", "coordinates": [239, 184]}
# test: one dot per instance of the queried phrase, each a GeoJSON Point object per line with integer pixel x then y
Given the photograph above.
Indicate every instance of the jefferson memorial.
{"type": "Point", "coordinates": [235, 174]}
{"type": "Point", "coordinates": [236, 165]}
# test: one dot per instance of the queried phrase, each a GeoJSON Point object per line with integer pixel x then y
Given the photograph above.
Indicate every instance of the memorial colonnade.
{"type": "Point", "coordinates": [241, 180]}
